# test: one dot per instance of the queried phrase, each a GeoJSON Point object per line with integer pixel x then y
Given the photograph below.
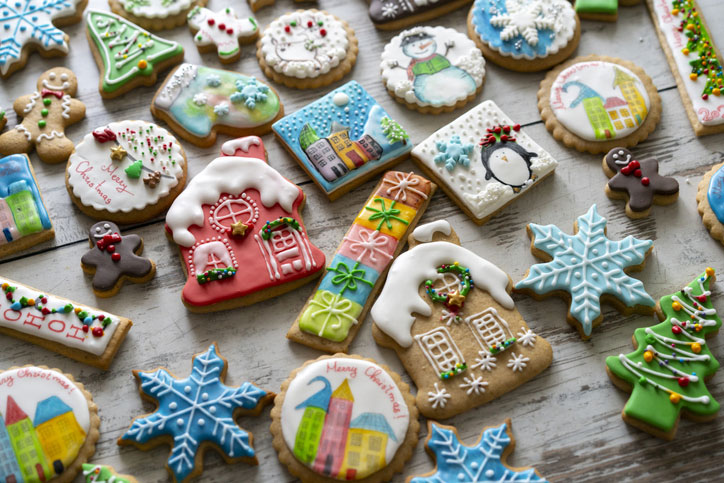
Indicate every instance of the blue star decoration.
{"type": "Point", "coordinates": [249, 93]}
{"type": "Point", "coordinates": [453, 152]}
{"type": "Point", "coordinates": [588, 265]}
{"type": "Point", "coordinates": [196, 410]}
{"type": "Point", "coordinates": [482, 463]}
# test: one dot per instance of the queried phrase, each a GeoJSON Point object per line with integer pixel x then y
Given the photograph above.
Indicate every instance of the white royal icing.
{"type": "Point", "coordinates": [424, 233]}
{"type": "Point", "coordinates": [102, 183]}
{"type": "Point", "coordinates": [222, 29]}
{"type": "Point", "coordinates": [155, 8]}
{"type": "Point", "coordinates": [179, 80]}
{"type": "Point", "coordinates": [230, 147]}
{"type": "Point", "coordinates": [400, 298]}
{"type": "Point", "coordinates": [304, 52]}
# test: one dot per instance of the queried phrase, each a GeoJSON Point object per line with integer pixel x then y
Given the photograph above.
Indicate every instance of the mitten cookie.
{"type": "Point", "coordinates": [221, 31]}
{"type": "Point", "coordinates": [115, 258]}
{"type": "Point", "coordinates": [155, 14]}
{"type": "Point", "coordinates": [45, 114]}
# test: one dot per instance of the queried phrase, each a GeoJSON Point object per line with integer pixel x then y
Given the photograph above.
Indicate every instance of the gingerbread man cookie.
{"type": "Point", "coordinates": [46, 113]}
{"type": "Point", "coordinates": [115, 258]}
{"type": "Point", "coordinates": [637, 182]}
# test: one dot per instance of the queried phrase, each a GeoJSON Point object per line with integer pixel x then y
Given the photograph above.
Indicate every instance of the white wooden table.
{"type": "Point", "coordinates": [566, 421]}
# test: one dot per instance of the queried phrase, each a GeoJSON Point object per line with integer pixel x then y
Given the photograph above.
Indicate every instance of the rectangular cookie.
{"type": "Point", "coordinates": [59, 325]}
{"type": "Point", "coordinates": [331, 317]}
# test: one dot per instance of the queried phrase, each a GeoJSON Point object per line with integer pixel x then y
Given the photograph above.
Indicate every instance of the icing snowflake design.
{"type": "Point", "coordinates": [472, 464]}
{"type": "Point", "coordinates": [453, 152]}
{"type": "Point", "coordinates": [485, 362]}
{"type": "Point", "coordinates": [221, 109]}
{"type": "Point", "coordinates": [389, 9]}
{"type": "Point", "coordinates": [526, 337]}
{"type": "Point", "coordinates": [438, 397]}
{"type": "Point", "coordinates": [193, 411]}
{"type": "Point", "coordinates": [213, 80]}
{"type": "Point", "coordinates": [200, 99]}
{"type": "Point", "coordinates": [518, 362]}
{"type": "Point", "coordinates": [250, 93]}
{"type": "Point", "coordinates": [588, 265]}
{"type": "Point", "coordinates": [30, 21]}
{"type": "Point", "coordinates": [474, 384]}
{"type": "Point", "coordinates": [524, 19]}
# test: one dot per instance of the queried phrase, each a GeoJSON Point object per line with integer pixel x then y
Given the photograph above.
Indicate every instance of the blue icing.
{"type": "Point", "coordinates": [715, 194]}
{"type": "Point", "coordinates": [484, 10]}
{"type": "Point", "coordinates": [20, 194]}
{"type": "Point", "coordinates": [361, 115]}
{"type": "Point", "coordinates": [344, 268]}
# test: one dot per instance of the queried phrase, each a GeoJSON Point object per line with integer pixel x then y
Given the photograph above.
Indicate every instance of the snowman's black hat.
{"type": "Point", "coordinates": [408, 39]}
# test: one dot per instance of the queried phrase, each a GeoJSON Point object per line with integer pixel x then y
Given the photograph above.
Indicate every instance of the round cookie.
{"type": "Point", "coordinates": [307, 49]}
{"type": "Point", "coordinates": [155, 14]}
{"type": "Point", "coordinates": [126, 172]}
{"type": "Point", "coordinates": [710, 201]}
{"type": "Point", "coordinates": [432, 69]}
{"type": "Point", "coordinates": [344, 417]}
{"type": "Point", "coordinates": [597, 103]}
{"type": "Point", "coordinates": [524, 35]}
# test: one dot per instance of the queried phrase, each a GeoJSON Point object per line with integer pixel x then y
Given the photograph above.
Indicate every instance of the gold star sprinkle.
{"type": "Point", "coordinates": [238, 228]}
{"type": "Point", "coordinates": [118, 153]}
{"type": "Point", "coordinates": [455, 299]}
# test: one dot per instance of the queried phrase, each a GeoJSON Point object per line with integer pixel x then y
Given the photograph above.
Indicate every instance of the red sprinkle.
{"type": "Point", "coordinates": [683, 381]}
{"type": "Point", "coordinates": [676, 329]}
{"type": "Point", "coordinates": [645, 181]}
{"type": "Point", "coordinates": [323, 32]}
{"type": "Point", "coordinates": [211, 21]}
{"type": "Point", "coordinates": [287, 28]}
{"type": "Point", "coordinates": [98, 331]}
{"type": "Point", "coordinates": [115, 257]}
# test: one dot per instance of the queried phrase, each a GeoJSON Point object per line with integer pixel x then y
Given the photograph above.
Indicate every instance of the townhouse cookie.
{"type": "Point", "coordinates": [198, 102]}
{"type": "Point", "coordinates": [524, 35]}
{"type": "Point", "coordinates": [637, 182]}
{"type": "Point", "coordinates": [307, 49]}
{"type": "Point", "coordinates": [432, 69]}
{"type": "Point", "coordinates": [155, 14]}
{"type": "Point", "coordinates": [126, 172]}
{"type": "Point", "coordinates": [195, 414]}
{"type": "Point", "coordinates": [127, 55]}
{"type": "Point", "coordinates": [343, 418]}
{"type": "Point", "coordinates": [222, 32]}
{"type": "Point", "coordinates": [104, 474]}
{"type": "Point", "coordinates": [398, 14]}
{"type": "Point", "coordinates": [587, 268]}
{"type": "Point", "coordinates": [598, 103]}
{"type": "Point", "coordinates": [710, 201]}
{"type": "Point", "coordinates": [32, 25]}
{"type": "Point", "coordinates": [48, 425]}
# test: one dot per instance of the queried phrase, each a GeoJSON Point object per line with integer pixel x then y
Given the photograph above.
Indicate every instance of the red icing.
{"type": "Point", "coordinates": [13, 413]}
{"type": "Point", "coordinates": [104, 136]}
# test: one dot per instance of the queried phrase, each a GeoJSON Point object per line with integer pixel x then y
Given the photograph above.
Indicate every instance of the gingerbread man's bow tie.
{"type": "Point", "coordinates": [634, 168]}
{"type": "Point", "coordinates": [48, 92]}
{"type": "Point", "coordinates": [105, 243]}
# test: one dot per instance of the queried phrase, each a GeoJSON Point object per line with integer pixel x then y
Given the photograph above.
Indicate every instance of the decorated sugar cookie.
{"type": "Point", "coordinates": [587, 268]}
{"type": "Point", "coordinates": [398, 14]}
{"type": "Point", "coordinates": [127, 55]}
{"type": "Point", "coordinates": [222, 31]}
{"type": "Point", "coordinates": [332, 316]}
{"type": "Point", "coordinates": [24, 220]}
{"type": "Point", "coordinates": [198, 102]}
{"type": "Point", "coordinates": [524, 35]}
{"type": "Point", "coordinates": [104, 474]}
{"type": "Point", "coordinates": [601, 10]}
{"type": "Point", "coordinates": [33, 25]}
{"type": "Point", "coordinates": [448, 315]}
{"type": "Point", "coordinates": [126, 172]}
{"type": "Point", "coordinates": [668, 372]}
{"type": "Point", "coordinates": [3, 119]}
{"type": "Point", "coordinates": [344, 418]}
{"type": "Point", "coordinates": [343, 139]}
{"type": "Point", "coordinates": [637, 182]}
{"type": "Point", "coordinates": [196, 413]}
{"type": "Point", "coordinates": [710, 201]}
{"type": "Point", "coordinates": [45, 114]}
{"type": "Point", "coordinates": [48, 425]}
{"type": "Point", "coordinates": [432, 69]}
{"type": "Point", "coordinates": [485, 461]}
{"type": "Point", "coordinates": [240, 233]}
{"type": "Point", "coordinates": [155, 14]}
{"type": "Point", "coordinates": [307, 49]}
{"type": "Point", "coordinates": [597, 103]}
{"type": "Point", "coordinates": [483, 161]}
{"type": "Point", "coordinates": [115, 258]}
{"type": "Point", "coordinates": [258, 4]}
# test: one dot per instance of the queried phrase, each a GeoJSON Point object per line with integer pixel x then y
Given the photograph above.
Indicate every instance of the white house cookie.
{"type": "Point", "coordinates": [155, 14]}
{"type": "Point", "coordinates": [222, 31]}
{"type": "Point", "coordinates": [432, 69]}
{"type": "Point", "coordinates": [483, 161]}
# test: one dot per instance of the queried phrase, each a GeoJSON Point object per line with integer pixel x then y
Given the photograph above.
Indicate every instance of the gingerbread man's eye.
{"type": "Point", "coordinates": [621, 153]}
{"type": "Point", "coordinates": [615, 155]}
{"type": "Point", "coordinates": [98, 229]}
{"type": "Point", "coordinates": [51, 76]}
{"type": "Point", "coordinates": [64, 77]}
{"type": "Point", "coordinates": [107, 226]}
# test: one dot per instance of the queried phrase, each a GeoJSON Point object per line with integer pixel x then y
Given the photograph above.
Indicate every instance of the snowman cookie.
{"type": "Point", "coordinates": [155, 14]}
{"type": "Point", "coordinates": [45, 114]}
{"type": "Point", "coordinates": [222, 32]}
{"type": "Point", "coordinates": [307, 49]}
{"type": "Point", "coordinates": [432, 69]}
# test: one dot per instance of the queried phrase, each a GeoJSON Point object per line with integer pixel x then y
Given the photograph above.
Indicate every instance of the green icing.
{"type": "Point", "coordinates": [605, 7]}
{"type": "Point", "coordinates": [650, 399]}
{"type": "Point", "coordinates": [329, 316]}
{"type": "Point", "coordinates": [101, 474]}
{"type": "Point", "coordinates": [134, 170]}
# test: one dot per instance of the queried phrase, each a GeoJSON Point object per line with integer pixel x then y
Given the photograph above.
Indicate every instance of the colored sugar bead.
{"type": "Point", "coordinates": [696, 347]}
{"type": "Point", "coordinates": [674, 398]}
{"type": "Point", "coordinates": [648, 356]}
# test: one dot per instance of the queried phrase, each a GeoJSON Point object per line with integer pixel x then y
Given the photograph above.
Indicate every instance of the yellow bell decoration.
{"type": "Point", "coordinates": [674, 398]}
{"type": "Point", "coordinates": [696, 347]}
{"type": "Point", "coordinates": [648, 356]}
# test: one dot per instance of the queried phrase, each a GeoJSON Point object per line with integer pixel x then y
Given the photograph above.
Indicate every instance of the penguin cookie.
{"type": "Point", "coordinates": [115, 258]}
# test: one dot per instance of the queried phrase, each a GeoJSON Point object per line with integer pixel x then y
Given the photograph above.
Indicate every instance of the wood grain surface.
{"type": "Point", "coordinates": [566, 421]}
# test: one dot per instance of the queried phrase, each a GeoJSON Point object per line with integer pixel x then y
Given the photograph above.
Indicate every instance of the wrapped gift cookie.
{"type": "Point", "coordinates": [155, 14]}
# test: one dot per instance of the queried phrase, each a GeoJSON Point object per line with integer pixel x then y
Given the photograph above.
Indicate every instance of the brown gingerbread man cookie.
{"type": "Point", "coordinates": [46, 113]}
{"type": "Point", "coordinates": [637, 182]}
{"type": "Point", "coordinates": [115, 258]}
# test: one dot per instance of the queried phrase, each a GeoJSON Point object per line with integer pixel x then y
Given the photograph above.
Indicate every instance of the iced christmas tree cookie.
{"type": "Point", "coordinates": [126, 172]}
{"type": "Point", "coordinates": [483, 161]}
{"type": "Point", "coordinates": [524, 35]}
{"type": "Point", "coordinates": [587, 268]}
{"type": "Point", "coordinates": [597, 103]}
{"type": "Point", "coordinates": [398, 14]}
{"type": "Point", "coordinates": [104, 474]}
{"type": "Point", "coordinates": [344, 418]}
{"type": "Point", "coordinates": [448, 315]}
{"type": "Point", "coordinates": [222, 32]}
{"type": "Point", "coordinates": [668, 372]}
{"type": "Point", "coordinates": [198, 102]}
{"type": "Point", "coordinates": [343, 139]}
{"type": "Point", "coordinates": [127, 55]}
{"type": "Point", "coordinates": [48, 425]}
{"type": "Point", "coordinates": [307, 49]}
{"type": "Point", "coordinates": [432, 69]}
{"type": "Point", "coordinates": [155, 14]}
{"type": "Point", "coordinates": [195, 414]}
